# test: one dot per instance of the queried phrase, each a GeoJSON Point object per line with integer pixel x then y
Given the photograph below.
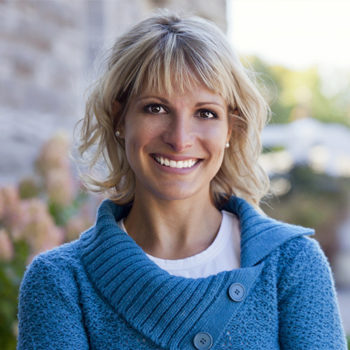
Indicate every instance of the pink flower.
{"type": "Point", "coordinates": [10, 207]}
{"type": "Point", "coordinates": [76, 225]}
{"type": "Point", "coordinates": [6, 247]}
{"type": "Point", "coordinates": [38, 227]}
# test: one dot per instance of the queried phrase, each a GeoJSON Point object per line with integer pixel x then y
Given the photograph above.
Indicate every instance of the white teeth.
{"type": "Point", "coordinates": [176, 164]}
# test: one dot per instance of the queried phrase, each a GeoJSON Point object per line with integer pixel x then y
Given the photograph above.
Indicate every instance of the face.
{"type": "Point", "coordinates": [175, 143]}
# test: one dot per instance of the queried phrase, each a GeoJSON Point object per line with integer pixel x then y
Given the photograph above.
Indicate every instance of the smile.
{"type": "Point", "coordinates": [180, 164]}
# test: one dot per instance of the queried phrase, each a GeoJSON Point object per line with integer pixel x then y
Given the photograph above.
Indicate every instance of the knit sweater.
{"type": "Point", "coordinates": [103, 292]}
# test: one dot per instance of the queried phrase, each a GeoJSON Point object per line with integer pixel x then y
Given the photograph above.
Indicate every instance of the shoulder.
{"type": "Point", "coordinates": [64, 257]}
{"type": "Point", "coordinates": [299, 258]}
{"type": "Point", "coordinates": [304, 269]}
{"type": "Point", "coordinates": [57, 267]}
{"type": "Point", "coordinates": [302, 249]}
{"type": "Point", "coordinates": [49, 303]}
{"type": "Point", "coordinates": [307, 298]}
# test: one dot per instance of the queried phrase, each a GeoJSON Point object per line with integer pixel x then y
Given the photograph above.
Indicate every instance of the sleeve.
{"type": "Point", "coordinates": [308, 311]}
{"type": "Point", "coordinates": [49, 314]}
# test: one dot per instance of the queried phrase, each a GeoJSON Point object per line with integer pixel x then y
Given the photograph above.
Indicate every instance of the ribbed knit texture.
{"type": "Point", "coordinates": [102, 292]}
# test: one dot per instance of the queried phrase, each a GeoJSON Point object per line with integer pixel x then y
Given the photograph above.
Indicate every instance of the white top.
{"type": "Point", "coordinates": [219, 256]}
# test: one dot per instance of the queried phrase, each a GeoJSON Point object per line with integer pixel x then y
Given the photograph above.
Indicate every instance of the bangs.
{"type": "Point", "coordinates": [173, 65]}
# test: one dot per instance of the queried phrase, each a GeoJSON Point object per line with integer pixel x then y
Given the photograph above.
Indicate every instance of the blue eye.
{"type": "Point", "coordinates": [154, 108]}
{"type": "Point", "coordinates": [206, 114]}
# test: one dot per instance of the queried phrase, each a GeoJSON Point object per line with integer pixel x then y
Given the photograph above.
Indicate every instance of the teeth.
{"type": "Point", "coordinates": [176, 164]}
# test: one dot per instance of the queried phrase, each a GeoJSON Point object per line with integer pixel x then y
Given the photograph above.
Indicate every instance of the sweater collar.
{"type": "Point", "coordinates": [168, 309]}
{"type": "Point", "coordinates": [260, 234]}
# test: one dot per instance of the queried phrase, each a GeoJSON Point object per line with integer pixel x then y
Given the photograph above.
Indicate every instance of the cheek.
{"type": "Point", "coordinates": [132, 139]}
{"type": "Point", "coordinates": [215, 143]}
{"type": "Point", "coordinates": [133, 143]}
{"type": "Point", "coordinates": [138, 138]}
{"type": "Point", "coordinates": [216, 136]}
{"type": "Point", "coordinates": [218, 151]}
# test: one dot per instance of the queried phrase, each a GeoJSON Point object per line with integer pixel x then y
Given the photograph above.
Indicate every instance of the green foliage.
{"type": "Point", "coordinates": [62, 213]}
{"type": "Point", "coordinates": [315, 200]}
{"type": "Point", "coordinates": [29, 188]}
{"type": "Point", "coordinates": [10, 278]}
{"type": "Point", "coordinates": [296, 94]}
{"type": "Point", "coordinates": [273, 149]}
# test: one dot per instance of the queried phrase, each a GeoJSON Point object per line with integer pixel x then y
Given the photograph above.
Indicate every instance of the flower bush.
{"type": "Point", "coordinates": [38, 214]}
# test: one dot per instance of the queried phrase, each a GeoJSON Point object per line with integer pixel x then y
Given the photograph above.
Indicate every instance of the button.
{"type": "Point", "coordinates": [203, 341]}
{"type": "Point", "coordinates": [236, 292]}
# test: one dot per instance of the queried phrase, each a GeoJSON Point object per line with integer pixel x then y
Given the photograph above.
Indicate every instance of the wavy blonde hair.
{"type": "Point", "coordinates": [167, 52]}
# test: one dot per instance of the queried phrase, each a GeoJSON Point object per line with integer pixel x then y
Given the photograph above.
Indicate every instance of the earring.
{"type": "Point", "coordinates": [227, 145]}
{"type": "Point", "coordinates": [117, 133]}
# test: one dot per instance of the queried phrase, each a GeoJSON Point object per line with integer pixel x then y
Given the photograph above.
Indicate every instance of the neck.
{"type": "Point", "coordinates": [173, 229]}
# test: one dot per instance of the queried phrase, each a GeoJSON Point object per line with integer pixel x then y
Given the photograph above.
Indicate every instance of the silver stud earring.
{"type": "Point", "coordinates": [117, 133]}
{"type": "Point", "coordinates": [227, 145]}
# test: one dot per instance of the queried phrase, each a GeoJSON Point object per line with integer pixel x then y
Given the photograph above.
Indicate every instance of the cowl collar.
{"type": "Point", "coordinates": [260, 234]}
{"type": "Point", "coordinates": [171, 310]}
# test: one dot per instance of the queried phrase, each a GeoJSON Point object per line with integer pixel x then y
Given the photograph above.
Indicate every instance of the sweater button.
{"type": "Point", "coordinates": [236, 292]}
{"type": "Point", "coordinates": [203, 341]}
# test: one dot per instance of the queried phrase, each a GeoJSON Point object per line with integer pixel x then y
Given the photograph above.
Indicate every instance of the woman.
{"type": "Point", "coordinates": [180, 256]}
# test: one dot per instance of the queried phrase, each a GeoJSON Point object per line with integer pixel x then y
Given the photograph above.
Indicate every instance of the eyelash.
{"type": "Point", "coordinates": [148, 107]}
{"type": "Point", "coordinates": [214, 115]}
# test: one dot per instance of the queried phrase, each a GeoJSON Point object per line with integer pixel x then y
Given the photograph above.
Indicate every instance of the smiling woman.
{"type": "Point", "coordinates": [180, 256]}
{"type": "Point", "coordinates": [166, 58]}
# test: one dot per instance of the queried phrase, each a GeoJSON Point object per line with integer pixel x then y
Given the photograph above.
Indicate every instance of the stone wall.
{"type": "Point", "coordinates": [47, 54]}
{"type": "Point", "coordinates": [41, 50]}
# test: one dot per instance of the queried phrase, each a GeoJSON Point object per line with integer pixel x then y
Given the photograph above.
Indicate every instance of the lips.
{"type": "Point", "coordinates": [171, 163]}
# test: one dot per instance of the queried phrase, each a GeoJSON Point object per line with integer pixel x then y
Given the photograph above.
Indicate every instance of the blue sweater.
{"type": "Point", "coordinates": [102, 292]}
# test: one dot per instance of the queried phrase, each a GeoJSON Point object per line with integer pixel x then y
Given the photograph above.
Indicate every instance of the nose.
{"type": "Point", "coordinates": [179, 133]}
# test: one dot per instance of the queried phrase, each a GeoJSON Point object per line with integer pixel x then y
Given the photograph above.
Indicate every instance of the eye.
{"type": "Point", "coordinates": [154, 108]}
{"type": "Point", "coordinates": [207, 114]}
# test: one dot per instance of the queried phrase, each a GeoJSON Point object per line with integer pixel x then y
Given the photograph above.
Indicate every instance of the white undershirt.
{"type": "Point", "coordinates": [219, 256]}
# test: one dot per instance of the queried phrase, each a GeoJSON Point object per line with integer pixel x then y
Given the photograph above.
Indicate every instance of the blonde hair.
{"type": "Point", "coordinates": [167, 52]}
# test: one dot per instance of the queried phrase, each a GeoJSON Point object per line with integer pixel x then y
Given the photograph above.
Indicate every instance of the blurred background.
{"type": "Point", "coordinates": [49, 54]}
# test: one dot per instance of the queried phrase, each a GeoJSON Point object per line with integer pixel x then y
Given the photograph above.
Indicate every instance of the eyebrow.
{"type": "Point", "coordinates": [164, 100]}
{"type": "Point", "coordinates": [198, 104]}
